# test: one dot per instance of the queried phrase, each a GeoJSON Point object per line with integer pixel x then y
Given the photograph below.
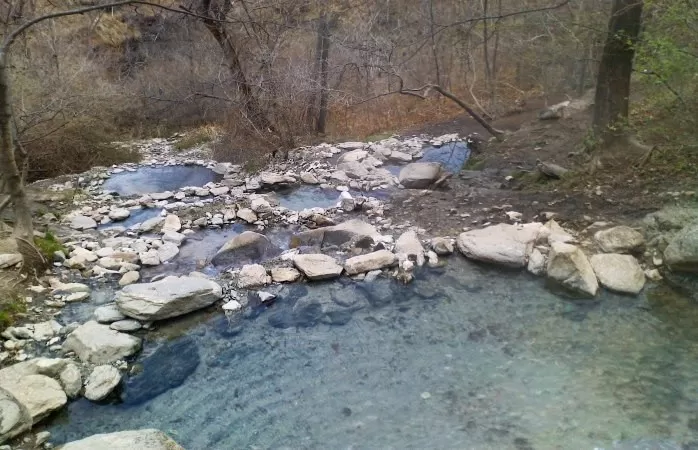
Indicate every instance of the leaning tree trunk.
{"type": "Point", "coordinates": [9, 169]}
{"type": "Point", "coordinates": [615, 69]}
{"type": "Point", "coordinates": [215, 15]}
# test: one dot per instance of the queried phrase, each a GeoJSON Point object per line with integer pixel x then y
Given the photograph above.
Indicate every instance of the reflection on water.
{"type": "Point", "coordinates": [147, 180]}
{"type": "Point", "coordinates": [462, 358]}
{"type": "Point", "coordinates": [452, 156]}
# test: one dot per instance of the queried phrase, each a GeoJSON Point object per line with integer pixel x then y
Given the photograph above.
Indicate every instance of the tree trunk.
{"type": "Point", "coordinates": [251, 105]}
{"type": "Point", "coordinates": [8, 164]}
{"type": "Point", "coordinates": [325, 26]}
{"type": "Point", "coordinates": [615, 69]}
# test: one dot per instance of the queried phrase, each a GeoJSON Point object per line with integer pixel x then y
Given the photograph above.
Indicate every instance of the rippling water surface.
{"type": "Point", "coordinates": [465, 357]}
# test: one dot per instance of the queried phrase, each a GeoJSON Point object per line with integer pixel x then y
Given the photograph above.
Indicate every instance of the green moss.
{"type": "Point", "coordinates": [11, 306]}
{"type": "Point", "coordinates": [48, 245]}
{"type": "Point", "coordinates": [474, 163]}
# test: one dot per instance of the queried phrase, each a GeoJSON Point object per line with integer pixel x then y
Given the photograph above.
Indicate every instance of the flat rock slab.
{"type": "Point", "coordinates": [318, 266]}
{"type": "Point", "coordinates": [98, 344]}
{"type": "Point", "coordinates": [620, 239]}
{"type": "Point", "coordinates": [148, 439]}
{"type": "Point", "coordinates": [166, 298]}
{"type": "Point", "coordinates": [371, 261]}
{"type": "Point", "coordinates": [503, 244]}
{"type": "Point", "coordinates": [40, 394]}
{"type": "Point", "coordinates": [620, 273]}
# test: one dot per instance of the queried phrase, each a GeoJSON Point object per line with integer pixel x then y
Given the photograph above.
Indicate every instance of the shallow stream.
{"type": "Point", "coordinates": [464, 357]}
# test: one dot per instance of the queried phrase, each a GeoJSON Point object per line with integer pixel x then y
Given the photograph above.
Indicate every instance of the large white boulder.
{"type": "Point", "coordinates": [569, 267]}
{"type": "Point", "coordinates": [620, 273]}
{"type": "Point", "coordinates": [101, 382]}
{"type": "Point", "coordinates": [420, 175]}
{"type": "Point", "coordinates": [80, 222]}
{"type": "Point", "coordinates": [166, 298]}
{"type": "Point", "coordinates": [317, 266]}
{"type": "Point", "coordinates": [41, 395]}
{"type": "Point", "coordinates": [14, 416]}
{"type": "Point", "coordinates": [371, 261]}
{"type": "Point", "coordinates": [98, 344]}
{"type": "Point", "coordinates": [503, 244]}
{"type": "Point", "coordinates": [620, 239]}
{"type": "Point", "coordinates": [147, 439]}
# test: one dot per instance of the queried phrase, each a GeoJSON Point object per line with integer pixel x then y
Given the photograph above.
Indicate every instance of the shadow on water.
{"type": "Point", "coordinates": [146, 180]}
{"type": "Point", "coordinates": [465, 357]}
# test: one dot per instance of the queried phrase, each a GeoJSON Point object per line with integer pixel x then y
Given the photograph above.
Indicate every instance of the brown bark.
{"type": "Point", "coordinates": [325, 26]}
{"type": "Point", "coordinates": [10, 171]}
{"type": "Point", "coordinates": [213, 16]}
{"type": "Point", "coordinates": [613, 81]}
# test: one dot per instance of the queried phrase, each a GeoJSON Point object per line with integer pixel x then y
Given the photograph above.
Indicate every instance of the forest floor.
{"type": "Point", "coordinates": [621, 191]}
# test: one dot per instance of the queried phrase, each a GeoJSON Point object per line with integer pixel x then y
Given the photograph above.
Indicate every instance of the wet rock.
{"type": "Point", "coordinates": [307, 312]}
{"type": "Point", "coordinates": [442, 246]}
{"type": "Point", "coordinates": [151, 224]}
{"type": "Point", "coordinates": [108, 313]}
{"type": "Point", "coordinates": [98, 344]}
{"type": "Point", "coordinates": [82, 223]}
{"type": "Point", "coordinates": [119, 214]}
{"type": "Point", "coordinates": [41, 395]}
{"type": "Point", "coordinates": [309, 178]}
{"type": "Point", "coordinates": [71, 380]}
{"type": "Point", "coordinates": [247, 245]}
{"type": "Point", "coordinates": [620, 239]}
{"type": "Point", "coordinates": [9, 260]}
{"type": "Point", "coordinates": [149, 258]}
{"type": "Point", "coordinates": [408, 244]}
{"type": "Point", "coordinates": [284, 274]}
{"type": "Point", "coordinates": [342, 233]}
{"type": "Point", "coordinates": [420, 175]}
{"type": "Point", "coordinates": [14, 416]}
{"type": "Point", "coordinates": [147, 439]}
{"type": "Point", "coordinates": [101, 382]}
{"type": "Point", "coordinates": [129, 277]}
{"type": "Point", "coordinates": [126, 325]}
{"type": "Point", "coordinates": [260, 205]}
{"type": "Point", "coordinates": [620, 273]}
{"type": "Point", "coordinates": [172, 223]}
{"type": "Point", "coordinates": [569, 267]}
{"type": "Point", "coordinates": [167, 251]}
{"type": "Point", "coordinates": [372, 261]}
{"type": "Point", "coordinates": [247, 215]}
{"type": "Point", "coordinates": [503, 244]}
{"type": "Point", "coordinates": [317, 266]}
{"type": "Point", "coordinates": [168, 367]}
{"type": "Point", "coordinates": [167, 298]}
{"type": "Point", "coordinates": [399, 156]}
{"type": "Point", "coordinates": [682, 252]}
{"type": "Point", "coordinates": [536, 262]}
{"type": "Point", "coordinates": [252, 275]}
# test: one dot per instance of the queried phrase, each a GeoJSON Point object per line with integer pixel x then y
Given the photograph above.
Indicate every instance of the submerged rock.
{"type": "Point", "coordinates": [420, 175]}
{"type": "Point", "coordinates": [148, 439]}
{"type": "Point", "coordinates": [168, 367]}
{"type": "Point", "coordinates": [503, 244]}
{"type": "Point", "coordinates": [371, 261]}
{"type": "Point", "coordinates": [246, 245]}
{"type": "Point", "coordinates": [682, 252]}
{"type": "Point", "coordinates": [620, 273]}
{"type": "Point", "coordinates": [620, 239]}
{"type": "Point", "coordinates": [317, 266]}
{"type": "Point", "coordinates": [442, 246]}
{"type": "Point", "coordinates": [569, 267]}
{"type": "Point", "coordinates": [98, 344]}
{"type": "Point", "coordinates": [169, 297]}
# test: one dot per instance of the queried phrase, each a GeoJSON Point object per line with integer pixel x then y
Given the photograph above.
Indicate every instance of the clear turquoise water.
{"type": "Point", "coordinates": [465, 357]}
